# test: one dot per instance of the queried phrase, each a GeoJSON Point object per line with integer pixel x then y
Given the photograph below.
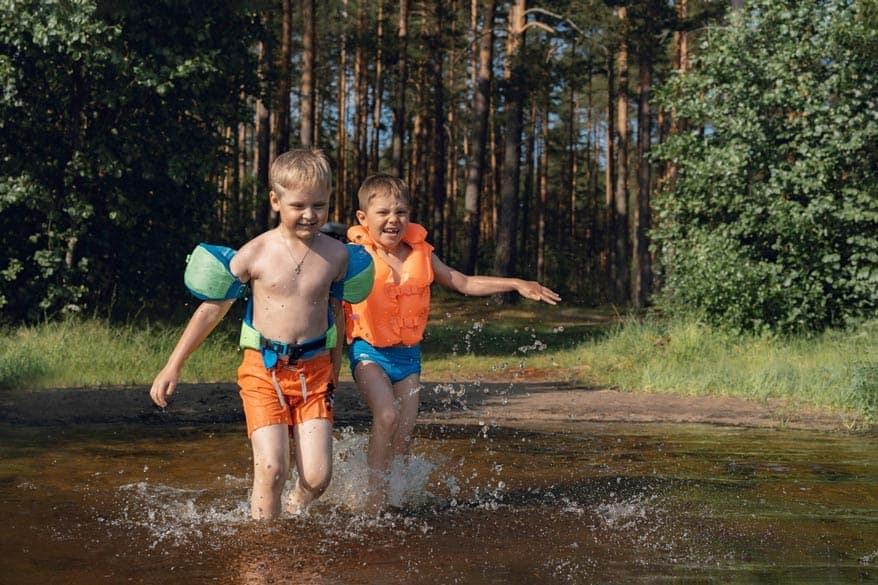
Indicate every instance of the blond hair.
{"type": "Point", "coordinates": [382, 185]}
{"type": "Point", "coordinates": [300, 168]}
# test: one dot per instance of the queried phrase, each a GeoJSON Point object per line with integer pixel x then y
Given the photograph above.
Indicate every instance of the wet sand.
{"type": "Point", "coordinates": [521, 404]}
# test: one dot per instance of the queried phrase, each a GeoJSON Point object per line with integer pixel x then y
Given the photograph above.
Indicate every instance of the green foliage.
{"type": "Point", "coordinates": [111, 117]}
{"type": "Point", "coordinates": [772, 222]}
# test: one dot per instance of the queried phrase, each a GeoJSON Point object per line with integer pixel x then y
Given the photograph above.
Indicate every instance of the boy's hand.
{"type": "Point", "coordinates": [531, 289]}
{"type": "Point", "coordinates": [163, 386]}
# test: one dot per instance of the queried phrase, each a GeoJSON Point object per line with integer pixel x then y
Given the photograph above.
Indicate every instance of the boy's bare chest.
{"type": "Point", "coordinates": [281, 275]}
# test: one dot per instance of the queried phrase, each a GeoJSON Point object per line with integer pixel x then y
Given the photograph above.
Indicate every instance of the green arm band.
{"type": "Point", "coordinates": [208, 275]}
{"type": "Point", "coordinates": [360, 275]}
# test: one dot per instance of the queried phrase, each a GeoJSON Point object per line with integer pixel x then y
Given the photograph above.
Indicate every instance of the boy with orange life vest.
{"type": "Point", "coordinates": [292, 356]}
{"type": "Point", "coordinates": [385, 330]}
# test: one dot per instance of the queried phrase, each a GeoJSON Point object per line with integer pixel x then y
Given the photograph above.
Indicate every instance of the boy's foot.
{"type": "Point", "coordinates": [293, 506]}
{"type": "Point", "coordinates": [375, 504]}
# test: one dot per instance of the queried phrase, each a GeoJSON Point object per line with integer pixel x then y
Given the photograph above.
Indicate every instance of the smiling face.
{"type": "Point", "coordinates": [302, 211]}
{"type": "Point", "coordinates": [386, 218]}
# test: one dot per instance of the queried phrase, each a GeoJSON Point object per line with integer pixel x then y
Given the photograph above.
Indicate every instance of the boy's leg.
{"type": "Point", "coordinates": [313, 449]}
{"type": "Point", "coordinates": [271, 466]}
{"type": "Point", "coordinates": [407, 393]}
{"type": "Point", "coordinates": [378, 393]}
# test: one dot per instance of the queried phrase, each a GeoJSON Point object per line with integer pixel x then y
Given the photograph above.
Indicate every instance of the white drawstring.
{"type": "Point", "coordinates": [280, 394]}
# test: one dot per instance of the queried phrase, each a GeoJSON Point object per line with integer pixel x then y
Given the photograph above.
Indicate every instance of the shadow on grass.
{"type": "Point", "coordinates": [484, 328]}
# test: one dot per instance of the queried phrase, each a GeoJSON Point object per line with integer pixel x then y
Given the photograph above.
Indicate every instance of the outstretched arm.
{"type": "Point", "coordinates": [203, 321]}
{"type": "Point", "coordinates": [482, 286]}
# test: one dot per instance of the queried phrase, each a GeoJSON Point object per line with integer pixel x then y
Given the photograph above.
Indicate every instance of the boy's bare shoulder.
{"type": "Point", "coordinates": [247, 259]}
{"type": "Point", "coordinates": [331, 247]}
{"type": "Point", "coordinates": [257, 242]}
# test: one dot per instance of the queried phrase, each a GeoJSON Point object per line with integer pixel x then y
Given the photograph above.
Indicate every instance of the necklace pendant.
{"type": "Point", "coordinates": [299, 269]}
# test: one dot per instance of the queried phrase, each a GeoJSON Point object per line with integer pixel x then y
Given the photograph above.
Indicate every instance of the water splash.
{"type": "Point", "coordinates": [452, 396]}
{"type": "Point", "coordinates": [468, 337]}
{"type": "Point", "coordinates": [408, 477]}
{"type": "Point", "coordinates": [178, 516]}
{"type": "Point", "coordinates": [174, 516]}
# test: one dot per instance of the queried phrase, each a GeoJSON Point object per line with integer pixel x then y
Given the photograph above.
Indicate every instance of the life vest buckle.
{"type": "Point", "coordinates": [290, 351]}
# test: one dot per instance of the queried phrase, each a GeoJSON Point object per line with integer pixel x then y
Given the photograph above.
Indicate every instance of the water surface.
{"type": "Point", "coordinates": [479, 504]}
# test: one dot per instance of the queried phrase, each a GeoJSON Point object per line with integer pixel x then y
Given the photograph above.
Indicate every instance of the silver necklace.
{"type": "Point", "coordinates": [298, 263]}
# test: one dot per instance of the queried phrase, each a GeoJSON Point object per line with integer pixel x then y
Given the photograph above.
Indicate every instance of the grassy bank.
{"type": "Point", "coordinates": [475, 339]}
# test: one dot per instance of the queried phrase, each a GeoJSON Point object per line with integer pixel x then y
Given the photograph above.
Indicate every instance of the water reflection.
{"type": "Point", "coordinates": [594, 503]}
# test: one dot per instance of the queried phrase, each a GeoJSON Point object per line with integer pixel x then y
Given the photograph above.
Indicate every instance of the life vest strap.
{"type": "Point", "coordinates": [273, 350]}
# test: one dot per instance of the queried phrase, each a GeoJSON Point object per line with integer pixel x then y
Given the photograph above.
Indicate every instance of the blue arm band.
{"type": "Point", "coordinates": [336, 290]}
{"type": "Point", "coordinates": [360, 275]}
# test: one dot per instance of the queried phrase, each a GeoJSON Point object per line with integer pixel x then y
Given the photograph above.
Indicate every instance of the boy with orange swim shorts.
{"type": "Point", "coordinates": [385, 330]}
{"type": "Point", "coordinates": [292, 362]}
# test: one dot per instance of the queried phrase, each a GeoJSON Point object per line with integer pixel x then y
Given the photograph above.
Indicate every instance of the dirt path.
{"type": "Point", "coordinates": [549, 403]}
{"type": "Point", "coordinates": [513, 404]}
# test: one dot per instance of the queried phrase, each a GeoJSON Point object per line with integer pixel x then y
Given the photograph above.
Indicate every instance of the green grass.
{"type": "Point", "coordinates": [91, 352]}
{"type": "Point", "coordinates": [470, 339]}
{"type": "Point", "coordinates": [837, 370]}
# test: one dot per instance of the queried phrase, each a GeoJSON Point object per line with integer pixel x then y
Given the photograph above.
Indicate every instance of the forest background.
{"type": "Point", "coordinates": [705, 158]}
{"type": "Point", "coordinates": [708, 155]}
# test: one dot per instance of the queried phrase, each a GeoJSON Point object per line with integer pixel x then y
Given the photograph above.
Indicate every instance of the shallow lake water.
{"type": "Point", "coordinates": [480, 504]}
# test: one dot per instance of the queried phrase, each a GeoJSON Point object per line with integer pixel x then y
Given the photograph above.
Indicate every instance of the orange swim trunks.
{"type": "Point", "coordinates": [262, 406]}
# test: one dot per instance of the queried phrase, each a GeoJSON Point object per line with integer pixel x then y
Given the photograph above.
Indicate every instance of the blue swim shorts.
{"type": "Point", "coordinates": [397, 362]}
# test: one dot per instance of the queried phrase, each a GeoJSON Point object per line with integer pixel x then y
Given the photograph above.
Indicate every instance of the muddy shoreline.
{"type": "Point", "coordinates": [521, 404]}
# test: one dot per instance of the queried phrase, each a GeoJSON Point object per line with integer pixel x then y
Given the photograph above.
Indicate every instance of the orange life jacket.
{"type": "Point", "coordinates": [393, 314]}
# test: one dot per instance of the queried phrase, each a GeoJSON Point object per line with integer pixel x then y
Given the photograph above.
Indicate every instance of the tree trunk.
{"type": "Point", "coordinates": [399, 113]}
{"type": "Point", "coordinates": [492, 184]}
{"type": "Point", "coordinates": [609, 174]}
{"type": "Point", "coordinates": [451, 140]}
{"type": "Point", "coordinates": [241, 219]}
{"type": "Point", "coordinates": [642, 216]}
{"type": "Point", "coordinates": [415, 170]}
{"type": "Point", "coordinates": [379, 91]}
{"type": "Point", "coordinates": [476, 162]}
{"type": "Point", "coordinates": [530, 127]}
{"type": "Point", "coordinates": [544, 192]}
{"type": "Point", "coordinates": [309, 52]}
{"type": "Point", "coordinates": [341, 185]}
{"type": "Point", "coordinates": [262, 149]}
{"type": "Point", "coordinates": [504, 259]}
{"type": "Point", "coordinates": [621, 267]}
{"type": "Point", "coordinates": [437, 174]}
{"type": "Point", "coordinates": [284, 82]}
{"type": "Point", "coordinates": [681, 64]}
{"type": "Point", "coordinates": [572, 160]}
{"type": "Point", "coordinates": [361, 80]}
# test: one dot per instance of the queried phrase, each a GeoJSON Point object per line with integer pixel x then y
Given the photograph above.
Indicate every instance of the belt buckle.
{"type": "Point", "coordinates": [274, 351]}
{"type": "Point", "coordinates": [291, 352]}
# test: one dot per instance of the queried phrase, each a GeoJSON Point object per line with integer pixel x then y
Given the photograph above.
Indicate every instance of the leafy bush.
{"type": "Point", "coordinates": [772, 221]}
{"type": "Point", "coordinates": [112, 117]}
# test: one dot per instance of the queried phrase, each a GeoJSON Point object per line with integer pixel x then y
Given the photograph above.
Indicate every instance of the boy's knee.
{"type": "Point", "coordinates": [272, 472]}
{"type": "Point", "coordinates": [386, 419]}
{"type": "Point", "coordinates": [316, 481]}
